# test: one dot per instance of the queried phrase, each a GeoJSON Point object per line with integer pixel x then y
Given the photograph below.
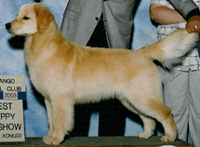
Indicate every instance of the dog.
{"type": "Point", "coordinates": [66, 73]}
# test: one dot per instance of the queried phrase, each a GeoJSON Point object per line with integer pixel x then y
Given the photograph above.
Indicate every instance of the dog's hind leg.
{"type": "Point", "coordinates": [149, 127]}
{"type": "Point", "coordinates": [154, 107]}
{"type": "Point", "coordinates": [163, 115]}
{"type": "Point", "coordinates": [148, 123]}
{"type": "Point", "coordinates": [63, 118]}
{"type": "Point", "coordinates": [146, 98]}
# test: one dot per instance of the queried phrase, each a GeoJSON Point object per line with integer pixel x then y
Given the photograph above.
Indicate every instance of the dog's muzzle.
{"type": "Point", "coordinates": [8, 26]}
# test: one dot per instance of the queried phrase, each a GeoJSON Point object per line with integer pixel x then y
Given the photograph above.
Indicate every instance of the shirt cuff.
{"type": "Point", "coordinates": [192, 13]}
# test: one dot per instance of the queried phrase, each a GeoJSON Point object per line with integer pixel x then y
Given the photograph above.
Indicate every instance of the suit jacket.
{"type": "Point", "coordinates": [81, 17]}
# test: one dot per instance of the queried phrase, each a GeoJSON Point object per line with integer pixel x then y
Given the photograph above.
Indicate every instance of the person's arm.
{"type": "Point", "coordinates": [164, 15]}
{"type": "Point", "coordinates": [189, 10]}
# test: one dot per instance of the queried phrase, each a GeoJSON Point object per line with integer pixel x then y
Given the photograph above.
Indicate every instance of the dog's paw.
{"type": "Point", "coordinates": [145, 135]}
{"type": "Point", "coordinates": [167, 139]}
{"type": "Point", "coordinates": [47, 139]}
{"type": "Point", "coordinates": [51, 140]}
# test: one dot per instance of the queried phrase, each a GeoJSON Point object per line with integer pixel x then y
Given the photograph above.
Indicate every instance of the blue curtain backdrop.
{"type": "Point", "coordinates": [12, 62]}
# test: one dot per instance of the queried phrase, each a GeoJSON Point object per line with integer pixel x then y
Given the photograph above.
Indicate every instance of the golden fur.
{"type": "Point", "coordinates": [66, 73]}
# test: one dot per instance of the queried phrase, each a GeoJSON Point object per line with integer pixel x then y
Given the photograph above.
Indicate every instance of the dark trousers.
{"type": "Point", "coordinates": [111, 112]}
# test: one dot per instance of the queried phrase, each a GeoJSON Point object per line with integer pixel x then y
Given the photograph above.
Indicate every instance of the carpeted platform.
{"type": "Point", "coordinates": [100, 141]}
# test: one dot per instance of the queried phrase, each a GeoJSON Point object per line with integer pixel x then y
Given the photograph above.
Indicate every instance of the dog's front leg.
{"type": "Point", "coordinates": [63, 118]}
{"type": "Point", "coordinates": [50, 119]}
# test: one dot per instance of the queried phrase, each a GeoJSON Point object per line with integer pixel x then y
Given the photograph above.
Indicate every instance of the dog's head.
{"type": "Point", "coordinates": [31, 18]}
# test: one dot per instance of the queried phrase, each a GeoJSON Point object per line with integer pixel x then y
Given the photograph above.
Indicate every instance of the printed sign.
{"type": "Point", "coordinates": [12, 94]}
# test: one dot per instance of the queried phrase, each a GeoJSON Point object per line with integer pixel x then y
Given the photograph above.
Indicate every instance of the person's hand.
{"type": "Point", "coordinates": [193, 24]}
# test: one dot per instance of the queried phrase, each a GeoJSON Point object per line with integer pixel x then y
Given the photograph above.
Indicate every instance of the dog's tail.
{"type": "Point", "coordinates": [173, 48]}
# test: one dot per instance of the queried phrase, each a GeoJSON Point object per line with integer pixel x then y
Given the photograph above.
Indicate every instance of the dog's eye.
{"type": "Point", "coordinates": [25, 18]}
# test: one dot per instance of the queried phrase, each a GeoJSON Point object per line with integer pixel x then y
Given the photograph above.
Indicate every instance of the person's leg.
{"type": "Point", "coordinates": [82, 120]}
{"type": "Point", "coordinates": [194, 118]}
{"type": "Point", "coordinates": [111, 117]}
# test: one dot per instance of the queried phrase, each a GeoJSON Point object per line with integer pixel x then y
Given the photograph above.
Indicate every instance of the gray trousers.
{"type": "Point", "coordinates": [182, 95]}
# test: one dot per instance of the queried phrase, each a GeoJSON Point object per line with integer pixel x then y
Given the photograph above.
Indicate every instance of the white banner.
{"type": "Point", "coordinates": [12, 94]}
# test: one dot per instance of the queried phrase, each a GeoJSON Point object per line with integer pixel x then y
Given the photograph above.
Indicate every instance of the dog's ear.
{"type": "Point", "coordinates": [43, 17]}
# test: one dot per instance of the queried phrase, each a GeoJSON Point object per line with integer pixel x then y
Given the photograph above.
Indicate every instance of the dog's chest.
{"type": "Point", "coordinates": [36, 69]}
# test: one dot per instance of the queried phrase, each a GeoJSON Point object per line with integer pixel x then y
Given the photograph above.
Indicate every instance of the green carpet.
{"type": "Point", "coordinates": [99, 141]}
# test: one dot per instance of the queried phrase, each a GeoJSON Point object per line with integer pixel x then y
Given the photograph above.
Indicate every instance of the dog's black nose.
{"type": "Point", "coordinates": [8, 26]}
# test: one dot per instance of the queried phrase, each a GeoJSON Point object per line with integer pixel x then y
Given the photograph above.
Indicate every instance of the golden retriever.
{"type": "Point", "coordinates": [66, 73]}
